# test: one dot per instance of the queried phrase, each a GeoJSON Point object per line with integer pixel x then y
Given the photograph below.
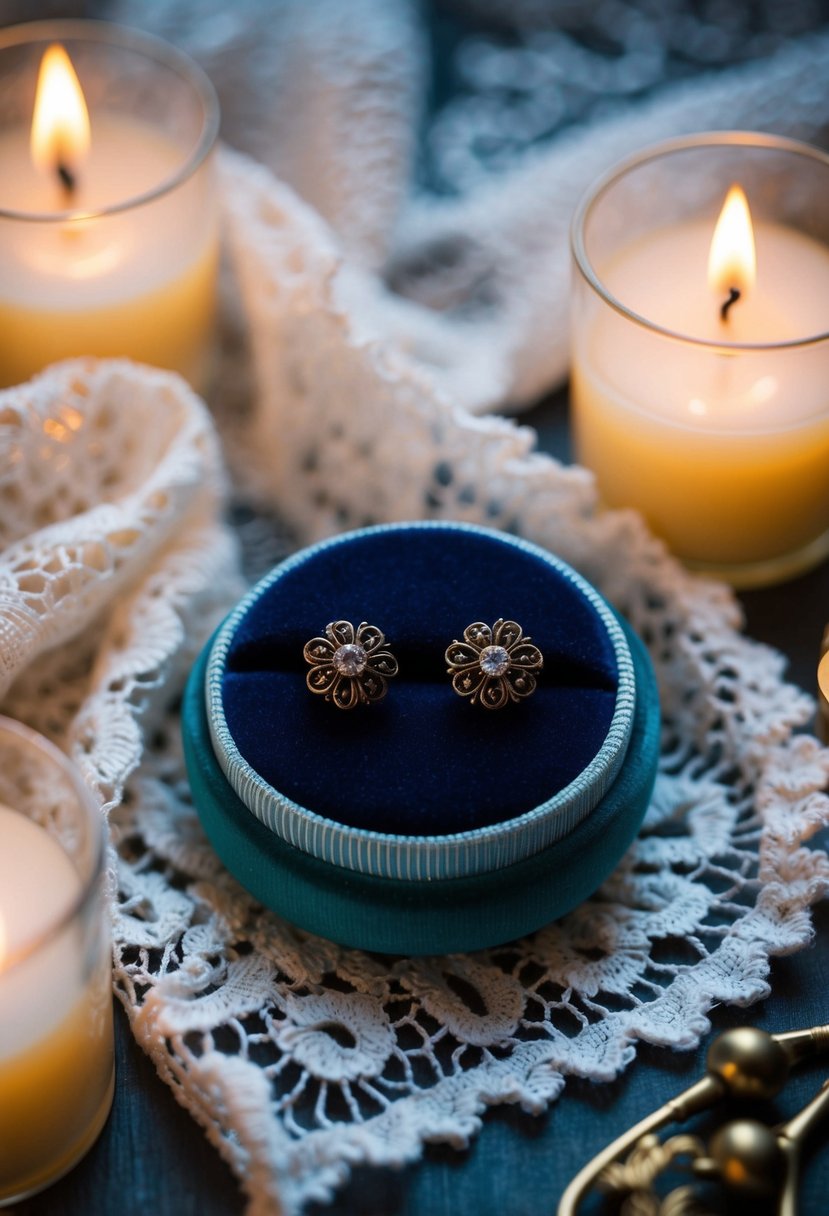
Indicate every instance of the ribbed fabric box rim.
{"type": "Point", "coordinates": [403, 857]}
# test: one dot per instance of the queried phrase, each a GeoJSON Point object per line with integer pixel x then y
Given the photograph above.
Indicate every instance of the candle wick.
{"type": "Point", "coordinates": [67, 177]}
{"type": "Point", "coordinates": [734, 294]}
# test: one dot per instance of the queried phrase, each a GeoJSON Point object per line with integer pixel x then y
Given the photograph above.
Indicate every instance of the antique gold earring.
{"type": "Point", "coordinates": [349, 666]}
{"type": "Point", "coordinates": [493, 665]}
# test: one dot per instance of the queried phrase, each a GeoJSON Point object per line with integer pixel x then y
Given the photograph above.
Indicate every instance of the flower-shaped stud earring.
{"type": "Point", "coordinates": [493, 666]}
{"type": "Point", "coordinates": [349, 666]}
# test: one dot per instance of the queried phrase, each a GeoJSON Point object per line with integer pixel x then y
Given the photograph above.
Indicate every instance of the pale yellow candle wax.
{"type": "Point", "coordinates": [56, 1053]}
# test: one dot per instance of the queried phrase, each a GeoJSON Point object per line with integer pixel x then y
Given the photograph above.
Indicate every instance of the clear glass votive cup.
{"type": "Point", "coordinates": [124, 262]}
{"type": "Point", "coordinates": [56, 1038]}
{"type": "Point", "coordinates": [714, 425]}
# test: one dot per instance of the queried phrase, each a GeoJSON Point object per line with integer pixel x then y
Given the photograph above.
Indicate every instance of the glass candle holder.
{"type": "Point", "coordinates": [699, 397]}
{"type": "Point", "coordinates": [56, 1042]}
{"type": "Point", "coordinates": [109, 249]}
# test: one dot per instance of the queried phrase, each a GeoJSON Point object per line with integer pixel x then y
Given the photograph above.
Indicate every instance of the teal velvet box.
{"type": "Point", "coordinates": [422, 824]}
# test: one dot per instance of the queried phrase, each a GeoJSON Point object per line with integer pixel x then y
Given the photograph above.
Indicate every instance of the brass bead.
{"type": "Point", "coordinates": [748, 1157]}
{"type": "Point", "coordinates": [750, 1062]}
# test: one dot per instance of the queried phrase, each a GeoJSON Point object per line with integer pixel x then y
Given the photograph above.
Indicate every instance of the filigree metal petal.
{"type": "Point", "coordinates": [383, 662]}
{"type": "Point", "coordinates": [341, 633]}
{"type": "Point", "coordinates": [370, 637]}
{"type": "Point", "coordinates": [506, 633]}
{"type": "Point", "coordinates": [478, 634]}
{"type": "Point", "coordinates": [461, 655]}
{"type": "Point", "coordinates": [319, 650]}
{"type": "Point", "coordinates": [467, 681]}
{"type": "Point", "coordinates": [525, 655]}
{"type": "Point", "coordinates": [373, 687]}
{"type": "Point", "coordinates": [521, 683]}
{"type": "Point", "coordinates": [494, 694]}
{"type": "Point", "coordinates": [346, 693]}
{"type": "Point", "coordinates": [322, 679]}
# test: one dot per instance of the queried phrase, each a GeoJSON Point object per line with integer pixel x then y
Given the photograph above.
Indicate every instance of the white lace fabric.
{"type": "Point", "coordinates": [301, 1058]}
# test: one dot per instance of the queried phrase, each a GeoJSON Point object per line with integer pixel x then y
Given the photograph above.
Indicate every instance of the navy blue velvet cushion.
{"type": "Point", "coordinates": [423, 761]}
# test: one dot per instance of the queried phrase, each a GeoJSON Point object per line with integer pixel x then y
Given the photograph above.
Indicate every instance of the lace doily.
{"type": "Point", "coordinates": [298, 1057]}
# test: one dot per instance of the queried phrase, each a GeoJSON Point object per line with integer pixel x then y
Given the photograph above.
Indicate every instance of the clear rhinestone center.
{"type": "Point", "coordinates": [350, 660]}
{"type": "Point", "coordinates": [494, 661]}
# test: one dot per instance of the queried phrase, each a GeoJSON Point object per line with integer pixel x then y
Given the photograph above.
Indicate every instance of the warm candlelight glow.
{"type": "Point", "coordinates": [732, 265]}
{"type": "Point", "coordinates": [823, 677]}
{"type": "Point", "coordinates": [822, 720]}
{"type": "Point", "coordinates": [60, 124]}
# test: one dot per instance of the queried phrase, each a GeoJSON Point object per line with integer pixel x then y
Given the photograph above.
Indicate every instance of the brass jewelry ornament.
{"type": "Point", "coordinates": [750, 1159]}
{"type": "Point", "coordinates": [349, 666]}
{"type": "Point", "coordinates": [493, 665]}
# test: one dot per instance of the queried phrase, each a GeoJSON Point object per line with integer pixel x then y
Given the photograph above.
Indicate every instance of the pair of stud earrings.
{"type": "Point", "coordinates": [492, 666]}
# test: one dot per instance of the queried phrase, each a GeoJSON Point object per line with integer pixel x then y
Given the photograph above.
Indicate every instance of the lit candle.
{"type": "Point", "coordinates": [56, 1049]}
{"type": "Point", "coordinates": [108, 223]}
{"type": "Point", "coordinates": [700, 380]}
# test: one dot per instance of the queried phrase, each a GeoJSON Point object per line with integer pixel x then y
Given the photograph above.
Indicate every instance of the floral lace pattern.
{"type": "Point", "coordinates": [298, 1057]}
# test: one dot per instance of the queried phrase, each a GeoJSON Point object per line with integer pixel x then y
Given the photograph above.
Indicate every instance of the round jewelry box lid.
{"type": "Point", "coordinates": [407, 856]}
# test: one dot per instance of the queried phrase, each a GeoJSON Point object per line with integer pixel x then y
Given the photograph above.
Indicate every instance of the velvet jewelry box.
{"type": "Point", "coordinates": [422, 823]}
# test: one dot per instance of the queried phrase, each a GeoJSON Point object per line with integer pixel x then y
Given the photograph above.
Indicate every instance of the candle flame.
{"type": "Point", "coordinates": [60, 123]}
{"type": "Point", "coordinates": [732, 264]}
